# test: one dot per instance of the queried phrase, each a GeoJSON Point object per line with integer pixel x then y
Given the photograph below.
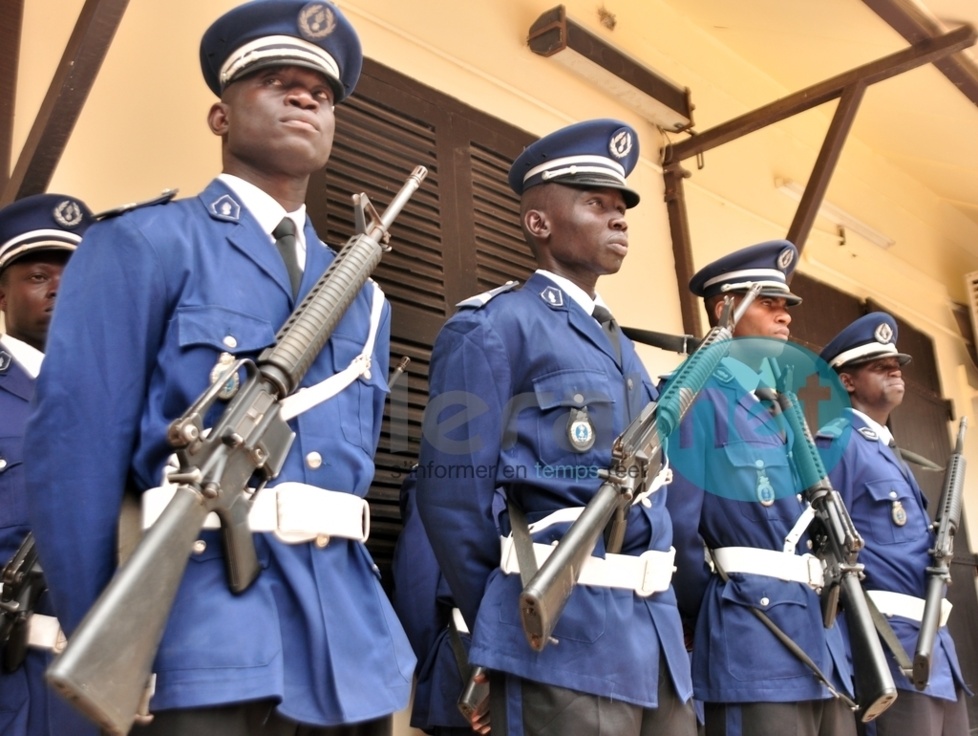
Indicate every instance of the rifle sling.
{"type": "Point", "coordinates": [789, 643]}
{"type": "Point", "coordinates": [522, 541]}
{"type": "Point", "coordinates": [458, 649]}
{"type": "Point", "coordinates": [889, 638]}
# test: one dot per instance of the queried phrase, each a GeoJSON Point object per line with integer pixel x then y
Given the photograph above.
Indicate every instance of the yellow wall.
{"type": "Point", "coordinates": [144, 130]}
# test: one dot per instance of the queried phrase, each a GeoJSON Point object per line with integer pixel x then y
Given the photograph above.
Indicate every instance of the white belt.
{"type": "Point", "coordinates": [459, 622]}
{"type": "Point", "coordinates": [645, 574]}
{"type": "Point", "coordinates": [782, 565]}
{"type": "Point", "coordinates": [908, 606]}
{"type": "Point", "coordinates": [295, 512]}
{"type": "Point", "coordinates": [44, 632]}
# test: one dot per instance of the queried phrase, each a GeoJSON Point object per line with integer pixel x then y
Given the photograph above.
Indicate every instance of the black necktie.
{"type": "Point", "coordinates": [610, 327]}
{"type": "Point", "coordinates": [284, 234]}
{"type": "Point", "coordinates": [769, 397]}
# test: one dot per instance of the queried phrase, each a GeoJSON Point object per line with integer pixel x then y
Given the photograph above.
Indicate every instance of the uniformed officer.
{"type": "Point", "coordinates": [528, 391]}
{"type": "Point", "coordinates": [164, 297]}
{"type": "Point", "coordinates": [735, 501]}
{"type": "Point", "coordinates": [431, 621]}
{"type": "Point", "coordinates": [889, 511]}
{"type": "Point", "coordinates": [37, 236]}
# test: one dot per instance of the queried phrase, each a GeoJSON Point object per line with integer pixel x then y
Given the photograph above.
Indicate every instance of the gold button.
{"type": "Point", "coordinates": [230, 341]}
{"type": "Point", "coordinates": [765, 601]}
{"type": "Point", "coordinates": [314, 460]}
{"type": "Point", "coordinates": [199, 546]}
{"type": "Point", "coordinates": [322, 540]}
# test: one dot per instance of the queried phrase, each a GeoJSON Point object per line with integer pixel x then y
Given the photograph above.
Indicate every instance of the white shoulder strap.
{"type": "Point", "coordinates": [306, 398]}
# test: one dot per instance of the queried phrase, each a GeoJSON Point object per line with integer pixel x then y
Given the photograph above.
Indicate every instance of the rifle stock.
{"type": "Point", "coordinates": [635, 453]}
{"type": "Point", "coordinates": [250, 439]}
{"type": "Point", "coordinates": [838, 544]}
{"type": "Point", "coordinates": [939, 575]}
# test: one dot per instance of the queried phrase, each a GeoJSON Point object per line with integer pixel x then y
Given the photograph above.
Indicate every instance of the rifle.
{"type": "Point", "coordinates": [23, 583]}
{"type": "Point", "coordinates": [635, 453]}
{"type": "Point", "coordinates": [939, 574]}
{"type": "Point", "coordinates": [250, 440]}
{"type": "Point", "coordinates": [837, 544]}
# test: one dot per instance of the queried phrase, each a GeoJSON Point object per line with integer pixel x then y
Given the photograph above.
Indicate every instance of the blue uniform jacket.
{"type": "Point", "coordinates": [726, 451]}
{"type": "Point", "coordinates": [423, 604]}
{"type": "Point", "coordinates": [145, 309]}
{"type": "Point", "coordinates": [506, 381]}
{"type": "Point", "coordinates": [26, 707]}
{"type": "Point", "coordinates": [872, 480]}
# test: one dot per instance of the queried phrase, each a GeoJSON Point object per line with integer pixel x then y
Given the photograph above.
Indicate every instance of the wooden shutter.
{"type": "Point", "coordinates": [458, 235]}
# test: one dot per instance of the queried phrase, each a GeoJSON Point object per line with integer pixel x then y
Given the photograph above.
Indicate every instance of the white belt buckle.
{"type": "Point", "coordinates": [654, 579]}
{"type": "Point", "coordinates": [291, 528]}
{"type": "Point", "coordinates": [816, 573]}
{"type": "Point", "coordinates": [647, 587]}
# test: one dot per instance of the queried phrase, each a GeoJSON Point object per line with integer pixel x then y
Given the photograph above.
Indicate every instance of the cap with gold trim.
{"type": "Point", "coordinates": [590, 154]}
{"type": "Point", "coordinates": [869, 338]}
{"type": "Point", "coordinates": [264, 33]}
{"type": "Point", "coordinates": [769, 264]}
{"type": "Point", "coordinates": [41, 222]}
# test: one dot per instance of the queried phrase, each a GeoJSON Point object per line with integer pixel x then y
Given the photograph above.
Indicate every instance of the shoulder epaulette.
{"type": "Point", "coordinates": [723, 374]}
{"type": "Point", "coordinates": [480, 300]}
{"type": "Point", "coordinates": [833, 430]}
{"type": "Point", "coordinates": [165, 196]}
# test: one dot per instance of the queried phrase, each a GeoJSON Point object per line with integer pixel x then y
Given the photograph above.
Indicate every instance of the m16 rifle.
{"type": "Point", "coordinates": [837, 544]}
{"type": "Point", "coordinates": [636, 459]}
{"type": "Point", "coordinates": [939, 574]}
{"type": "Point", "coordinates": [250, 440]}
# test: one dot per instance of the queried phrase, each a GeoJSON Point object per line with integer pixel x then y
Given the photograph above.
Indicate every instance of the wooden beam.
{"type": "Point", "coordinates": [682, 249]}
{"type": "Point", "coordinates": [926, 52]}
{"type": "Point", "coordinates": [911, 22]}
{"type": "Point", "coordinates": [62, 105]}
{"type": "Point", "coordinates": [828, 157]}
{"type": "Point", "coordinates": [11, 22]}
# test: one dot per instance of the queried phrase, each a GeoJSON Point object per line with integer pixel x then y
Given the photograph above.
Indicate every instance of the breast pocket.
{"type": "Point", "coordinates": [894, 514]}
{"type": "Point", "coordinates": [223, 330]}
{"type": "Point", "coordinates": [358, 424]}
{"type": "Point", "coordinates": [759, 474]}
{"type": "Point", "coordinates": [575, 412]}
{"type": "Point", "coordinates": [208, 340]}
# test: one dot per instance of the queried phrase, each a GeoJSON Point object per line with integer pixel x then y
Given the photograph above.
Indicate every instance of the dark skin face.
{"type": "Point", "coordinates": [580, 234]}
{"type": "Point", "coordinates": [28, 288]}
{"type": "Point", "coordinates": [875, 388]}
{"type": "Point", "coordinates": [277, 129]}
{"type": "Point", "coordinates": [767, 316]}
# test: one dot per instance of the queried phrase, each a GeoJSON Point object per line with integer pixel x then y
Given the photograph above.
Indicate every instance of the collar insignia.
{"type": "Point", "coordinates": [553, 296]}
{"type": "Point", "coordinates": [226, 207]}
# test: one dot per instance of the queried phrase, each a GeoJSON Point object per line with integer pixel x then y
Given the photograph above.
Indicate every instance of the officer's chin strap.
{"type": "Point", "coordinates": [790, 644]}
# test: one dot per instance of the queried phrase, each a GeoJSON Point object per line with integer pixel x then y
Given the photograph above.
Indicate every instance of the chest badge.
{"type": "Point", "coordinates": [230, 388]}
{"type": "Point", "coordinates": [898, 513]}
{"type": "Point", "coordinates": [580, 431]}
{"type": "Point", "coordinates": [764, 489]}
